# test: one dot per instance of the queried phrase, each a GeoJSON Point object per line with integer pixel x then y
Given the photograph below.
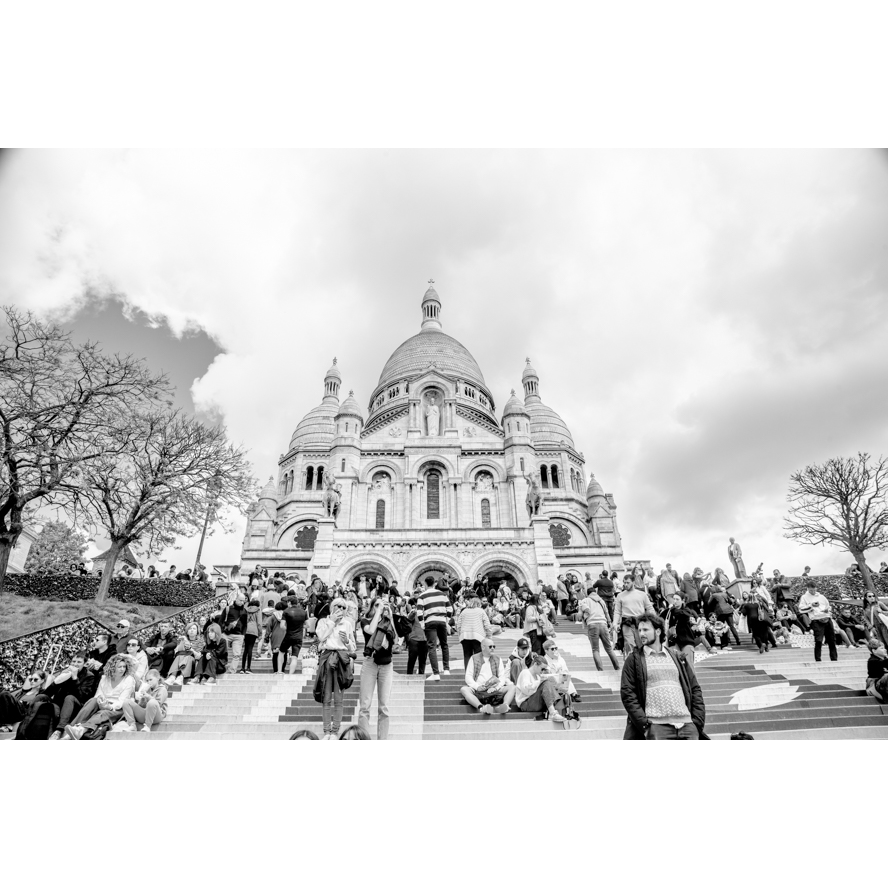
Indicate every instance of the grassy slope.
{"type": "Point", "coordinates": [19, 616]}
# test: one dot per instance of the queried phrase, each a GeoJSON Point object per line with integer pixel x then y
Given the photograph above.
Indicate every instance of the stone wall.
{"type": "Point", "coordinates": [20, 655]}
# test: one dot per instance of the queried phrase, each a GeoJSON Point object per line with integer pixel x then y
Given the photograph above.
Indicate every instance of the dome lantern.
{"type": "Point", "coordinates": [431, 308]}
{"type": "Point", "coordinates": [531, 381]}
{"type": "Point", "coordinates": [332, 381]}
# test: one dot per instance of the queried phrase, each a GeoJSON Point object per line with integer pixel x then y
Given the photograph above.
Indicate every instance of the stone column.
{"type": "Point", "coordinates": [398, 504]}
{"type": "Point", "coordinates": [323, 551]}
{"type": "Point", "coordinates": [547, 566]}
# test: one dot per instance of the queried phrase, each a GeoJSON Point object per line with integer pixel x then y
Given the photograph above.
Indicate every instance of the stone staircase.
{"type": "Point", "coordinates": [780, 695]}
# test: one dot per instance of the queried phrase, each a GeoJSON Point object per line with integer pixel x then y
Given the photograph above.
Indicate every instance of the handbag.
{"type": "Point", "coordinates": [310, 625]}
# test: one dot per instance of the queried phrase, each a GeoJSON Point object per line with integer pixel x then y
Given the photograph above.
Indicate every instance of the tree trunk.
{"type": "Point", "coordinates": [864, 571]}
{"type": "Point", "coordinates": [5, 551]}
{"type": "Point", "coordinates": [108, 571]}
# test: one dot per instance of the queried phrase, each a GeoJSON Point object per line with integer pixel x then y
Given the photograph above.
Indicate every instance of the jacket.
{"type": "Point", "coordinates": [339, 661]}
{"type": "Point", "coordinates": [234, 620]}
{"type": "Point", "coordinates": [254, 620]}
{"type": "Point", "coordinates": [633, 693]}
{"type": "Point", "coordinates": [82, 688]}
{"type": "Point", "coordinates": [720, 605]}
{"type": "Point", "coordinates": [472, 623]}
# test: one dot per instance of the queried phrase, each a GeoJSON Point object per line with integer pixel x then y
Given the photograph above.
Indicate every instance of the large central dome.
{"type": "Point", "coordinates": [415, 355]}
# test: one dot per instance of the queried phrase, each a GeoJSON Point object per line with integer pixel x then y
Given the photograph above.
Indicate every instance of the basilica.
{"type": "Point", "coordinates": [432, 480]}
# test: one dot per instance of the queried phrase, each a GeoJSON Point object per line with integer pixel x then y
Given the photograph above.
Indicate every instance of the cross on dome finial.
{"type": "Point", "coordinates": [527, 360]}
{"type": "Point", "coordinates": [334, 362]}
{"type": "Point", "coordinates": [351, 393]}
{"type": "Point", "coordinates": [431, 280]}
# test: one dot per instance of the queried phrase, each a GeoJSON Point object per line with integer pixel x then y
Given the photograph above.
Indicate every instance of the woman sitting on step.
{"type": "Point", "coordinates": [337, 650]}
{"type": "Point", "coordinates": [214, 658]}
{"type": "Point", "coordinates": [118, 685]}
{"type": "Point", "coordinates": [188, 652]}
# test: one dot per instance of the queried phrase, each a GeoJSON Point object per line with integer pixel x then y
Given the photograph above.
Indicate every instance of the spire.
{"type": "Point", "coordinates": [332, 381]}
{"type": "Point", "coordinates": [431, 308]}
{"type": "Point", "coordinates": [531, 382]}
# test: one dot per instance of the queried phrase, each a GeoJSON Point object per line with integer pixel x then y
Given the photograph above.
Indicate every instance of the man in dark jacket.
{"type": "Point", "coordinates": [720, 605]}
{"type": "Point", "coordinates": [161, 649]}
{"type": "Point", "coordinates": [659, 690]}
{"type": "Point", "coordinates": [69, 691]}
{"type": "Point", "coordinates": [122, 635]}
{"type": "Point", "coordinates": [234, 623]}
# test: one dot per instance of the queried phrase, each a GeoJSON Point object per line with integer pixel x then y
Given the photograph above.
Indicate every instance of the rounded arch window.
{"type": "Point", "coordinates": [305, 537]}
{"type": "Point", "coordinates": [380, 514]}
{"type": "Point", "coordinates": [309, 477]}
{"type": "Point", "coordinates": [485, 512]}
{"type": "Point", "coordinates": [560, 534]}
{"type": "Point", "coordinates": [433, 495]}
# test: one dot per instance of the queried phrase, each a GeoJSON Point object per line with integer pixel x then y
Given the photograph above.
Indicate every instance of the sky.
{"type": "Point", "coordinates": [705, 322]}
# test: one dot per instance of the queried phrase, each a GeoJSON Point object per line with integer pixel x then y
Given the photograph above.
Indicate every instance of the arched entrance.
{"type": "Point", "coordinates": [496, 576]}
{"type": "Point", "coordinates": [430, 567]}
{"type": "Point", "coordinates": [367, 569]}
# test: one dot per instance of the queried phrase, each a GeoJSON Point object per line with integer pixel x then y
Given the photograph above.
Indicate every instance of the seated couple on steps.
{"type": "Point", "coordinates": [533, 683]}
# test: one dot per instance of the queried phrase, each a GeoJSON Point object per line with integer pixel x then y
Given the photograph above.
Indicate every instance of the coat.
{"type": "Point", "coordinates": [339, 661]}
{"type": "Point", "coordinates": [633, 693]}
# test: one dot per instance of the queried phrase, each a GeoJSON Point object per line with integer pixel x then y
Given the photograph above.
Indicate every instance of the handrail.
{"type": "Point", "coordinates": [55, 626]}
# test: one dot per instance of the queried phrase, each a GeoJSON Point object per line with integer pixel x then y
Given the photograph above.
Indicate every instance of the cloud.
{"type": "Point", "coordinates": [705, 322]}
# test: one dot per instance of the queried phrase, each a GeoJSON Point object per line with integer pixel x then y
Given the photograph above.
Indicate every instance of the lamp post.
{"type": "Point", "coordinates": [213, 489]}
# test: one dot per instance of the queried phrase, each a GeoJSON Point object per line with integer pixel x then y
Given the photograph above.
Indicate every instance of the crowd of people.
{"type": "Point", "coordinates": [654, 622]}
{"type": "Point", "coordinates": [138, 572]}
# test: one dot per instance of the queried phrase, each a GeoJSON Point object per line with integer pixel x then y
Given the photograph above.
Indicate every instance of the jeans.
{"type": "Point", "coordinates": [630, 639]}
{"type": "Point", "coordinates": [235, 649]}
{"type": "Point", "coordinates": [66, 711]}
{"type": "Point", "coordinates": [670, 732]}
{"type": "Point", "coordinates": [728, 620]}
{"type": "Point", "coordinates": [247, 657]}
{"type": "Point", "coordinates": [541, 699]}
{"type": "Point", "coordinates": [470, 646]}
{"type": "Point", "coordinates": [332, 702]}
{"type": "Point", "coordinates": [824, 628]}
{"type": "Point", "coordinates": [609, 604]}
{"type": "Point", "coordinates": [599, 632]}
{"type": "Point", "coordinates": [147, 715]}
{"type": "Point", "coordinates": [437, 632]}
{"type": "Point", "coordinates": [380, 678]}
{"type": "Point", "coordinates": [535, 637]}
{"type": "Point", "coordinates": [416, 651]}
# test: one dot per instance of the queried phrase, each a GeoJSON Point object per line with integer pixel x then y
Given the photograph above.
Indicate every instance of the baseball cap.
{"type": "Point", "coordinates": [523, 643]}
{"type": "Point", "coordinates": [123, 624]}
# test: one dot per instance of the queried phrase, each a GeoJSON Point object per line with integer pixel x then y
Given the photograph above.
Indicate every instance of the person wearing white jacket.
{"type": "Point", "coordinates": [473, 627]}
{"type": "Point", "coordinates": [116, 687]}
{"type": "Point", "coordinates": [487, 686]}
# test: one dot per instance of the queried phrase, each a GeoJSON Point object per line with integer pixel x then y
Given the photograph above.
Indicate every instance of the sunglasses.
{"type": "Point", "coordinates": [35, 678]}
{"type": "Point", "coordinates": [492, 647]}
{"type": "Point", "coordinates": [132, 644]}
{"type": "Point", "coordinates": [552, 648]}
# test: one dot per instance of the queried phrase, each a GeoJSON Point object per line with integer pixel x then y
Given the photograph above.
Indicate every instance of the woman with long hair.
{"type": "Point", "coordinates": [136, 652]}
{"type": "Point", "coordinates": [532, 626]}
{"type": "Point", "coordinates": [336, 649]}
{"type": "Point", "coordinates": [873, 613]}
{"type": "Point", "coordinates": [355, 732]}
{"type": "Point", "coordinates": [214, 658]}
{"type": "Point", "coordinates": [118, 685]}
{"type": "Point", "coordinates": [15, 705]}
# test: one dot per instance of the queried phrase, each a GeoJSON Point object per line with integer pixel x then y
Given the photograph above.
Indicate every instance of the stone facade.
{"type": "Point", "coordinates": [432, 480]}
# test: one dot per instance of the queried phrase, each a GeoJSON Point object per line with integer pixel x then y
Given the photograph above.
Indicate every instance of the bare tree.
{"type": "Point", "coordinates": [59, 403]}
{"type": "Point", "coordinates": [159, 482]}
{"type": "Point", "coordinates": [843, 503]}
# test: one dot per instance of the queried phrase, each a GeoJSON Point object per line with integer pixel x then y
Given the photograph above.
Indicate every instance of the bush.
{"type": "Point", "coordinates": [64, 587]}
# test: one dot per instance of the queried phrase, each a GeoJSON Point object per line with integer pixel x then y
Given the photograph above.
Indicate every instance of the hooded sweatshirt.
{"type": "Point", "coordinates": [254, 619]}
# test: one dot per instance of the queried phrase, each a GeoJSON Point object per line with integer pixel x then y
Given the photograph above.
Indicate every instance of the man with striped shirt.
{"type": "Point", "coordinates": [434, 609]}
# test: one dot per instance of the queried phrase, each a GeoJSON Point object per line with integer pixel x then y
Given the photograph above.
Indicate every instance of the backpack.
{"type": "Point", "coordinates": [39, 722]}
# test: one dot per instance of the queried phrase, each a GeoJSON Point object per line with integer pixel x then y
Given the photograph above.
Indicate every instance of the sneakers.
{"type": "Point", "coordinates": [248, 671]}
{"type": "Point", "coordinates": [434, 677]}
{"type": "Point", "coordinates": [123, 727]}
{"type": "Point", "coordinates": [56, 735]}
{"type": "Point", "coordinates": [211, 681]}
{"type": "Point", "coordinates": [486, 709]}
{"type": "Point", "coordinates": [74, 732]}
{"type": "Point", "coordinates": [556, 717]}
{"type": "Point", "coordinates": [445, 672]}
{"type": "Point", "coordinates": [145, 730]}
{"type": "Point", "coordinates": [240, 671]}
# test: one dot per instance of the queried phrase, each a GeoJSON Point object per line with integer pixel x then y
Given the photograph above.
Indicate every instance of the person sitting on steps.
{"type": "Point", "coordinates": [519, 659]}
{"type": "Point", "coordinates": [877, 670]}
{"type": "Point", "coordinates": [559, 668]}
{"type": "Point", "coordinates": [214, 656]}
{"type": "Point", "coordinates": [487, 687]}
{"type": "Point", "coordinates": [535, 691]}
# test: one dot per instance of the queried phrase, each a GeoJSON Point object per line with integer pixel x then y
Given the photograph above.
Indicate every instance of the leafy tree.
{"type": "Point", "coordinates": [158, 482]}
{"type": "Point", "coordinates": [843, 503]}
{"type": "Point", "coordinates": [57, 547]}
{"type": "Point", "coordinates": [60, 407]}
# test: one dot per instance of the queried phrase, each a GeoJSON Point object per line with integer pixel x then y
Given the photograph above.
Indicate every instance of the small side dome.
{"type": "Point", "coordinates": [514, 406]}
{"type": "Point", "coordinates": [594, 490]}
{"type": "Point", "coordinates": [350, 407]}
{"type": "Point", "coordinates": [269, 492]}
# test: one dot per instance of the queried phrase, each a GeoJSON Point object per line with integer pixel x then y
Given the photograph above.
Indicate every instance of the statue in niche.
{"type": "Point", "coordinates": [332, 496]}
{"type": "Point", "coordinates": [484, 481]}
{"type": "Point", "coordinates": [381, 481]}
{"type": "Point", "coordinates": [433, 417]}
{"type": "Point", "coordinates": [534, 498]}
